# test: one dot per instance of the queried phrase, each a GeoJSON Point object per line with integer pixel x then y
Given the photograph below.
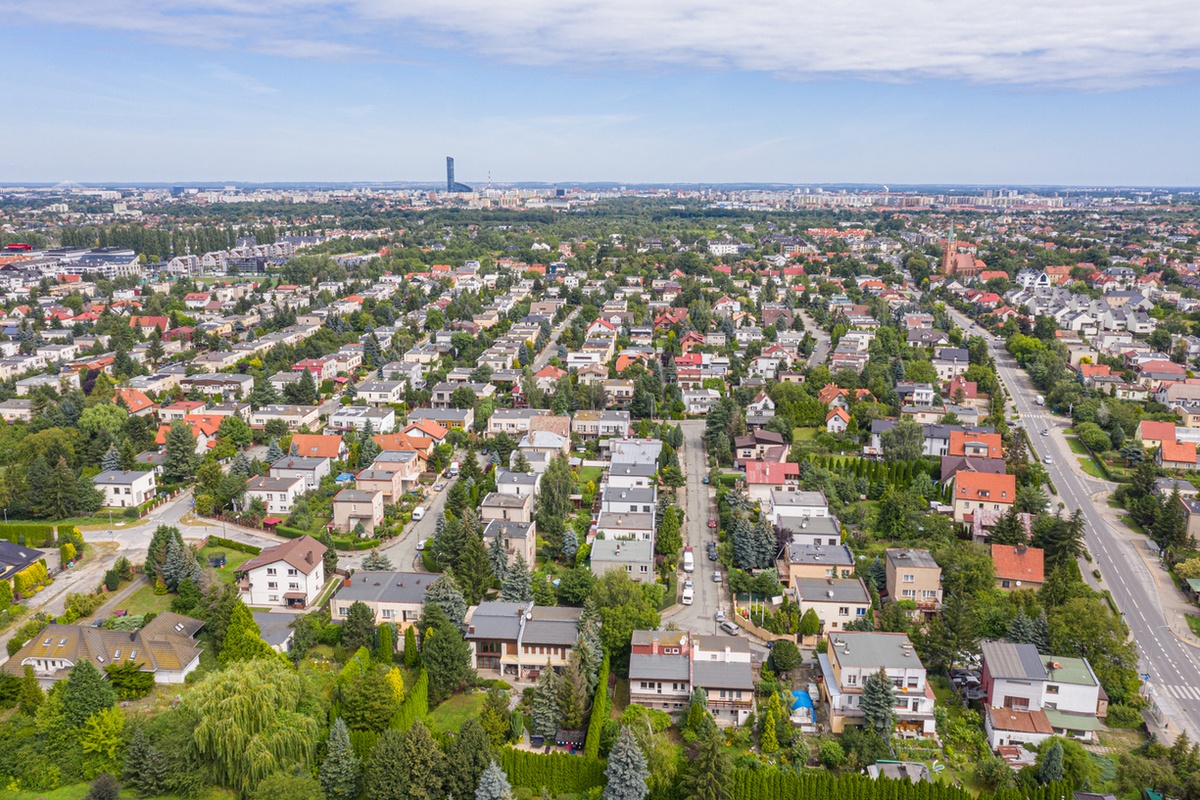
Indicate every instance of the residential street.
{"type": "Point", "coordinates": [819, 352]}
{"type": "Point", "coordinates": [699, 506]}
{"type": "Point", "coordinates": [1126, 570]}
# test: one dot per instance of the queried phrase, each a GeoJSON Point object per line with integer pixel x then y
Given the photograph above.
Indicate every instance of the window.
{"type": "Point", "coordinates": [272, 585]}
{"type": "Point", "coordinates": [859, 612]}
{"type": "Point", "coordinates": [1004, 584]}
{"type": "Point", "coordinates": [270, 570]}
{"type": "Point", "coordinates": [909, 577]}
{"type": "Point", "coordinates": [908, 593]}
{"type": "Point", "coordinates": [1051, 688]}
{"type": "Point", "coordinates": [293, 586]}
{"type": "Point", "coordinates": [293, 571]}
{"type": "Point", "coordinates": [851, 680]}
{"type": "Point", "coordinates": [388, 613]}
{"type": "Point", "coordinates": [274, 598]}
{"type": "Point", "coordinates": [844, 611]}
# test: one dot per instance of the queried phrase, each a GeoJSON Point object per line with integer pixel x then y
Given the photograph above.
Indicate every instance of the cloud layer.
{"type": "Point", "coordinates": [1094, 45]}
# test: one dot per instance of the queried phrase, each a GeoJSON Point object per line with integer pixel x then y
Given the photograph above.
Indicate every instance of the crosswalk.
{"type": "Point", "coordinates": [1180, 692]}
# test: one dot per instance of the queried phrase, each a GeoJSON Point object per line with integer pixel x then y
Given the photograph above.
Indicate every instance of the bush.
{"type": "Point", "coordinates": [230, 544]}
{"type": "Point", "coordinates": [1121, 716]}
{"type": "Point", "coordinates": [35, 534]}
{"type": "Point", "coordinates": [112, 580]}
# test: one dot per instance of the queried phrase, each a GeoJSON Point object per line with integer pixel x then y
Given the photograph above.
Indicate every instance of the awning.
{"type": "Point", "coordinates": [1061, 720]}
{"type": "Point", "coordinates": [294, 596]}
{"type": "Point", "coordinates": [272, 521]}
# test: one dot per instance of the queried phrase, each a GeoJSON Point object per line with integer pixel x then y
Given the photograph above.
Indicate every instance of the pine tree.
{"type": "Point", "coordinates": [86, 693]}
{"type": "Point", "coordinates": [516, 587]}
{"type": "Point", "coordinates": [111, 460]}
{"type": "Point", "coordinates": [412, 657]}
{"type": "Point", "coordinates": [707, 775]}
{"type": "Point", "coordinates": [146, 770]}
{"type": "Point", "coordinates": [377, 562]}
{"type": "Point", "coordinates": [878, 703]}
{"type": "Point", "coordinates": [627, 772]}
{"type": "Point", "coordinates": [382, 777]}
{"type": "Point", "coordinates": [173, 567]}
{"type": "Point", "coordinates": [263, 394]}
{"type": "Point", "coordinates": [359, 628]}
{"type": "Point", "coordinates": [181, 460]}
{"type": "Point", "coordinates": [274, 452]}
{"type": "Point", "coordinates": [1020, 629]}
{"type": "Point", "coordinates": [240, 465]}
{"type": "Point", "coordinates": [243, 639]}
{"type": "Point", "coordinates": [545, 706]}
{"type": "Point", "coordinates": [32, 696]}
{"type": "Point", "coordinates": [877, 574]}
{"type": "Point", "coordinates": [474, 571]}
{"type": "Point", "coordinates": [1041, 632]}
{"type": "Point", "coordinates": [572, 694]}
{"type": "Point", "coordinates": [340, 769]}
{"type": "Point", "coordinates": [467, 756]}
{"type": "Point", "coordinates": [422, 764]}
{"type": "Point", "coordinates": [445, 594]}
{"type": "Point", "coordinates": [497, 557]}
{"type": "Point", "coordinates": [495, 717]}
{"type": "Point", "coordinates": [1051, 769]}
{"type": "Point", "coordinates": [570, 546]}
{"type": "Point", "coordinates": [493, 784]}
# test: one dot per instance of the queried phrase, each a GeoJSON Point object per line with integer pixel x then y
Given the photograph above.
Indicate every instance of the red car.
{"type": "Point", "coordinates": [712, 522]}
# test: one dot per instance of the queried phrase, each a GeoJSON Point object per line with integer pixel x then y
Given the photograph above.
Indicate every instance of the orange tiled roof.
{"type": "Point", "coordinates": [1018, 563]}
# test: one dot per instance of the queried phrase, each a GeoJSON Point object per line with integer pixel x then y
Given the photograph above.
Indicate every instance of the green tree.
{"type": "Point", "coordinates": [1051, 767]}
{"type": "Point", "coordinates": [383, 772]}
{"type": "Point", "coordinates": [495, 716]}
{"type": "Point", "coordinates": [878, 703]}
{"type": "Point", "coordinates": [422, 764]}
{"type": "Point", "coordinates": [624, 606]}
{"type": "Point", "coordinates": [516, 587]}
{"type": "Point", "coordinates": [467, 756]}
{"type": "Point", "coordinates": [905, 441]}
{"type": "Point", "coordinates": [544, 711]}
{"type": "Point", "coordinates": [249, 722]}
{"type": "Point", "coordinates": [708, 773]}
{"type": "Point", "coordinates": [359, 628]}
{"type": "Point", "coordinates": [243, 639]}
{"type": "Point", "coordinates": [444, 594]}
{"type": "Point", "coordinates": [627, 772]}
{"type": "Point", "coordinates": [31, 696]}
{"type": "Point", "coordinates": [412, 656]}
{"type": "Point", "coordinates": [86, 693]}
{"type": "Point", "coordinates": [445, 655]}
{"type": "Point", "coordinates": [181, 459]}
{"type": "Point", "coordinates": [473, 570]}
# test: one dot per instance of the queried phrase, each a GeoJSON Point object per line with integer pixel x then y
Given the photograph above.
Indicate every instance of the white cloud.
{"type": "Point", "coordinates": [1088, 44]}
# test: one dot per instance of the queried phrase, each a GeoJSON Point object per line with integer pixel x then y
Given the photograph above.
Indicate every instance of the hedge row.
{"type": "Point", "coordinates": [36, 534]}
{"type": "Point", "coordinates": [600, 706]}
{"type": "Point", "coordinates": [561, 773]}
{"type": "Point", "coordinates": [415, 705]}
{"type": "Point", "coordinates": [777, 784]}
{"type": "Point", "coordinates": [338, 543]}
{"type": "Point", "coordinates": [230, 544]}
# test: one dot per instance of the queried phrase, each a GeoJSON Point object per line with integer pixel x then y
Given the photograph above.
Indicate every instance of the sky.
{"type": "Point", "coordinates": [974, 92]}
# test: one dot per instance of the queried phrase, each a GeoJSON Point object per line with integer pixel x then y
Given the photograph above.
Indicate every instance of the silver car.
{"type": "Point", "coordinates": [731, 629]}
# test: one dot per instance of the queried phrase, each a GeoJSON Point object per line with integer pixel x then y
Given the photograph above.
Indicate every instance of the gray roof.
{"type": "Point", "coordinates": [637, 470]}
{"type": "Point", "coordinates": [506, 477]}
{"type": "Point", "coordinates": [117, 477]}
{"type": "Point", "coordinates": [872, 650]}
{"type": "Point", "coordinates": [556, 625]}
{"type": "Point", "coordinates": [496, 499]}
{"type": "Point", "coordinates": [782, 497]}
{"type": "Point", "coordinates": [267, 484]}
{"type": "Point", "coordinates": [303, 463]}
{"type": "Point", "coordinates": [622, 551]}
{"type": "Point", "coordinates": [911, 557]}
{"type": "Point", "coordinates": [620, 520]}
{"type": "Point", "coordinates": [723, 675]}
{"type": "Point", "coordinates": [509, 529]}
{"type": "Point", "coordinates": [643, 666]}
{"type": "Point", "coordinates": [839, 556]}
{"type": "Point", "coordinates": [817, 526]}
{"type": "Point", "coordinates": [832, 590]}
{"type": "Point", "coordinates": [1017, 661]}
{"type": "Point", "coordinates": [354, 496]}
{"type": "Point", "coordinates": [632, 494]}
{"type": "Point", "coordinates": [275, 629]}
{"type": "Point", "coordinates": [495, 620]}
{"type": "Point", "coordinates": [388, 587]}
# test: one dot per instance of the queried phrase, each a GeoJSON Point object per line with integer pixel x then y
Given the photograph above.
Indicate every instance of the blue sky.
{"type": "Point", "coordinates": [796, 91]}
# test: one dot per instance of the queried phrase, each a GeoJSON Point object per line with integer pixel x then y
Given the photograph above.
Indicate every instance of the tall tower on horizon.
{"type": "Point", "coordinates": [451, 184]}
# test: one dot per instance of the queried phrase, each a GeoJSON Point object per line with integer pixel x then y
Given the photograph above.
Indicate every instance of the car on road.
{"type": "Point", "coordinates": [437, 487]}
{"type": "Point", "coordinates": [731, 629]}
{"type": "Point", "coordinates": [418, 512]}
{"type": "Point", "coordinates": [712, 522]}
{"type": "Point", "coordinates": [1047, 460]}
{"type": "Point", "coordinates": [1045, 431]}
{"type": "Point", "coordinates": [421, 544]}
{"type": "Point", "coordinates": [717, 576]}
{"type": "Point", "coordinates": [712, 555]}
{"type": "Point", "coordinates": [720, 615]}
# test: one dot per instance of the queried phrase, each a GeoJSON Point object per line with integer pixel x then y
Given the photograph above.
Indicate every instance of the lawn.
{"type": "Point", "coordinates": [1194, 623]}
{"type": "Point", "coordinates": [78, 791]}
{"type": "Point", "coordinates": [1089, 467]}
{"type": "Point", "coordinates": [1077, 446]}
{"type": "Point", "coordinates": [145, 601]}
{"type": "Point", "coordinates": [804, 434]}
{"type": "Point", "coordinates": [589, 475]}
{"type": "Point", "coordinates": [451, 715]}
{"type": "Point", "coordinates": [233, 560]}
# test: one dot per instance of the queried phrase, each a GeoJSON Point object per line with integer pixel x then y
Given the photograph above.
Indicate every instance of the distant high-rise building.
{"type": "Point", "coordinates": [451, 185]}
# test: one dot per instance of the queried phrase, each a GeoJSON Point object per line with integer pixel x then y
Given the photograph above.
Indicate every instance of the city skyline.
{"type": "Point", "coordinates": [367, 91]}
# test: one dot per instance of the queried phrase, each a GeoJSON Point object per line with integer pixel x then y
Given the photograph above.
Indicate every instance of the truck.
{"type": "Point", "coordinates": [454, 465]}
{"type": "Point", "coordinates": [1041, 401]}
{"type": "Point", "coordinates": [689, 560]}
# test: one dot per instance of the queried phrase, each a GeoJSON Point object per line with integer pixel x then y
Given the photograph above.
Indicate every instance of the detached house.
{"type": "Point", "coordinates": [853, 656]}
{"type": "Point", "coordinates": [291, 574]}
{"type": "Point", "coordinates": [521, 639]}
{"type": "Point", "coordinates": [125, 488]}
{"type": "Point", "coordinates": [1018, 566]}
{"type": "Point", "coordinates": [395, 597]}
{"type": "Point", "coordinates": [976, 491]}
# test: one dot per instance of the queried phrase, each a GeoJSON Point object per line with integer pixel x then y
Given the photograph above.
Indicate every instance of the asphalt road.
{"type": "Point", "coordinates": [819, 352]}
{"type": "Point", "coordinates": [1171, 664]}
{"type": "Point", "coordinates": [698, 507]}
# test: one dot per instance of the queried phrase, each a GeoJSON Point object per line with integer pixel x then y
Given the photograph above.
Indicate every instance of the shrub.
{"type": "Point", "coordinates": [1122, 716]}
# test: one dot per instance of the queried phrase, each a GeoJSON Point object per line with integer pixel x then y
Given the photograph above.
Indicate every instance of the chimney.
{"type": "Point", "coordinates": [654, 646]}
{"type": "Point", "coordinates": [308, 557]}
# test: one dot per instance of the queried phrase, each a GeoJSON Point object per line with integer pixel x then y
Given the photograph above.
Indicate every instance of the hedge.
{"type": "Point", "coordinates": [415, 705]}
{"type": "Point", "coordinates": [600, 706]}
{"type": "Point", "coordinates": [777, 784]}
{"type": "Point", "coordinates": [339, 544]}
{"type": "Point", "coordinates": [230, 544]}
{"type": "Point", "coordinates": [363, 743]}
{"type": "Point", "coordinates": [36, 534]}
{"type": "Point", "coordinates": [561, 773]}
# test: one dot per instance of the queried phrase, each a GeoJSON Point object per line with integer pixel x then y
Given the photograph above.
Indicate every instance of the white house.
{"type": "Point", "coordinates": [382, 392]}
{"type": "Point", "coordinates": [291, 574]}
{"type": "Point", "coordinates": [854, 656]}
{"type": "Point", "coordinates": [125, 488]}
{"type": "Point", "coordinates": [383, 420]}
{"type": "Point", "coordinates": [278, 494]}
{"type": "Point", "coordinates": [786, 509]}
{"type": "Point", "coordinates": [310, 469]}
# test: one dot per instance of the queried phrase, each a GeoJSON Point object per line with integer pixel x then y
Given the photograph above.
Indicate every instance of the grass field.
{"type": "Point", "coordinates": [588, 475]}
{"type": "Point", "coordinates": [78, 791]}
{"type": "Point", "coordinates": [1077, 446]}
{"type": "Point", "coordinates": [233, 560]}
{"type": "Point", "coordinates": [144, 601]}
{"type": "Point", "coordinates": [451, 715]}
{"type": "Point", "coordinates": [804, 434]}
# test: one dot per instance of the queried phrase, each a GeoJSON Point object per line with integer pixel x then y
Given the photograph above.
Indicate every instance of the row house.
{"type": "Point", "coordinates": [666, 666]}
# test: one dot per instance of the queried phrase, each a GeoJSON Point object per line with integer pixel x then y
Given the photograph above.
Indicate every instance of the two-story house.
{"type": "Point", "coordinates": [394, 597]}
{"type": "Point", "coordinates": [1030, 697]}
{"type": "Point", "coordinates": [125, 488]}
{"type": "Point", "coordinates": [309, 469]}
{"type": "Point", "coordinates": [515, 538]}
{"type": "Point", "coordinates": [787, 509]}
{"type": "Point", "coordinates": [621, 525]}
{"type": "Point", "coordinates": [352, 506]}
{"type": "Point", "coordinates": [660, 669]}
{"type": "Point", "coordinates": [639, 500]}
{"type": "Point", "coordinates": [512, 507]}
{"type": "Point", "coordinates": [517, 483]}
{"type": "Point", "coordinates": [632, 475]}
{"type": "Point", "coordinates": [836, 601]}
{"type": "Point", "coordinates": [722, 668]}
{"type": "Point", "coordinates": [291, 574]}
{"type": "Point", "coordinates": [814, 562]}
{"type": "Point", "coordinates": [977, 491]}
{"type": "Point", "coordinates": [634, 557]}
{"type": "Point", "coordinates": [277, 493]}
{"type": "Point", "coordinates": [521, 639]}
{"type": "Point", "coordinates": [913, 575]}
{"type": "Point", "coordinates": [853, 656]}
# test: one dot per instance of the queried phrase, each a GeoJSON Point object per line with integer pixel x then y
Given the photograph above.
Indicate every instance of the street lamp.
{"type": "Point", "coordinates": [110, 524]}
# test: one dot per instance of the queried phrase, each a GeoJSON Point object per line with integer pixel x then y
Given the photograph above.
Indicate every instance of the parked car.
{"type": "Point", "coordinates": [437, 487]}
{"type": "Point", "coordinates": [421, 544]}
{"type": "Point", "coordinates": [720, 615]}
{"type": "Point", "coordinates": [712, 522]}
{"type": "Point", "coordinates": [717, 576]}
{"type": "Point", "coordinates": [687, 584]}
{"type": "Point", "coordinates": [705, 480]}
{"type": "Point", "coordinates": [731, 629]}
{"type": "Point", "coordinates": [712, 555]}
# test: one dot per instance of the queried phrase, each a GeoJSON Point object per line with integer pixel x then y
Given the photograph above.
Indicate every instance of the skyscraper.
{"type": "Point", "coordinates": [451, 185]}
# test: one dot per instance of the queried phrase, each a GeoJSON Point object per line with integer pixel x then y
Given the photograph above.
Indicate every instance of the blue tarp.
{"type": "Point", "coordinates": [800, 699]}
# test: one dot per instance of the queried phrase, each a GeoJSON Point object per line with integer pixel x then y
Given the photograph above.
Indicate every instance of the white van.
{"type": "Point", "coordinates": [418, 512]}
{"type": "Point", "coordinates": [689, 560]}
{"type": "Point", "coordinates": [688, 596]}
